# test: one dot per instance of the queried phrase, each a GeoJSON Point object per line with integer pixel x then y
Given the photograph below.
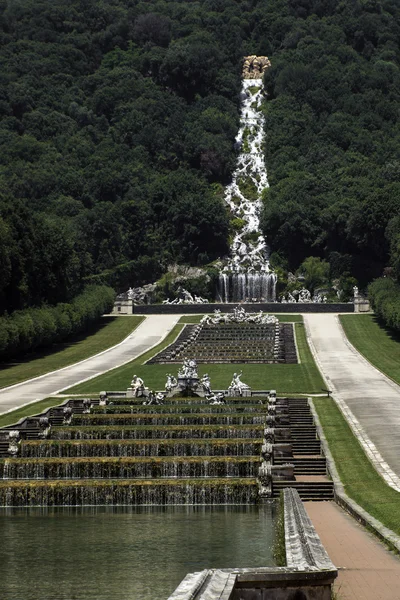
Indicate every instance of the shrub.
{"type": "Point", "coordinates": [26, 330]}
{"type": "Point", "coordinates": [384, 294]}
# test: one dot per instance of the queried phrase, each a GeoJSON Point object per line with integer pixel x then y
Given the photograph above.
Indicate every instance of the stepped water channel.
{"type": "Point", "coordinates": [247, 274]}
{"type": "Point", "coordinates": [185, 451]}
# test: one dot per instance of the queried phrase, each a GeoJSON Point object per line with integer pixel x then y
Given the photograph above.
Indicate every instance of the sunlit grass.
{"type": "Point", "coordinates": [108, 332]}
{"type": "Point", "coordinates": [360, 479]}
{"type": "Point", "coordinates": [287, 379]}
{"type": "Point", "coordinates": [379, 345]}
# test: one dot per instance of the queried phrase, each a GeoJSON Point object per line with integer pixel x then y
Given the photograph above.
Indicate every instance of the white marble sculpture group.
{"type": "Point", "coordinates": [239, 315]}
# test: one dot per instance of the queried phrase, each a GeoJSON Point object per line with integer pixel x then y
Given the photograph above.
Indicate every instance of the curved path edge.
{"type": "Point", "coordinates": [148, 334]}
{"type": "Point", "coordinates": [79, 362]}
{"type": "Point", "coordinates": [370, 448]}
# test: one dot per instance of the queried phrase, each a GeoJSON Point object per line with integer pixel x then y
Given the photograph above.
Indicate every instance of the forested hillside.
{"type": "Point", "coordinates": [117, 127]}
{"type": "Point", "coordinates": [333, 145]}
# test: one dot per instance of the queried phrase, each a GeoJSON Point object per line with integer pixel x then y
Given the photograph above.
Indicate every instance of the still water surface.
{"type": "Point", "coordinates": [105, 553]}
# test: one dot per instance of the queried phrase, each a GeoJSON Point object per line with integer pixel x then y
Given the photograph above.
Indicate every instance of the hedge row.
{"type": "Point", "coordinates": [384, 295]}
{"type": "Point", "coordinates": [27, 330]}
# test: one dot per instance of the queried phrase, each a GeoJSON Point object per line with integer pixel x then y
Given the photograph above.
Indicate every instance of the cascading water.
{"type": "Point", "coordinates": [247, 274]}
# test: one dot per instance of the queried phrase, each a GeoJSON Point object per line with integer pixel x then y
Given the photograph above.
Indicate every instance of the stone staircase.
{"type": "Point", "coordinates": [310, 471]}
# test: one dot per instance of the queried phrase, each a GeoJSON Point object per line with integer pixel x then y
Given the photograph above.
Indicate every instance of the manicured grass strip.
{"type": "Point", "coordinates": [287, 379]}
{"type": "Point", "coordinates": [109, 332]}
{"type": "Point", "coordinates": [282, 318]}
{"type": "Point", "coordinates": [361, 482]}
{"type": "Point", "coordinates": [379, 345]}
{"type": "Point", "coordinates": [31, 409]}
{"type": "Point", "coordinates": [120, 378]}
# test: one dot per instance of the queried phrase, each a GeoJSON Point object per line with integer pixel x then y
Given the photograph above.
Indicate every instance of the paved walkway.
{"type": "Point", "coordinates": [149, 333]}
{"type": "Point", "coordinates": [369, 400]}
{"type": "Point", "coordinates": [367, 571]}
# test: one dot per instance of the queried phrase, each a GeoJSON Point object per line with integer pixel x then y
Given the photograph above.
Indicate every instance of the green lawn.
{"type": "Point", "coordinates": [361, 482]}
{"type": "Point", "coordinates": [283, 318]}
{"type": "Point", "coordinates": [379, 345]}
{"type": "Point", "coordinates": [108, 332]}
{"type": "Point", "coordinates": [287, 379]}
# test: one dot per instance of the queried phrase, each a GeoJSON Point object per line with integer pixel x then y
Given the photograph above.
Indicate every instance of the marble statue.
{"type": "Point", "coordinates": [239, 315]}
{"type": "Point", "coordinates": [45, 427]}
{"type": "Point", "coordinates": [171, 383]}
{"type": "Point", "coordinates": [87, 405]}
{"type": "Point", "coordinates": [103, 399]}
{"type": "Point", "coordinates": [185, 297]}
{"type": "Point", "coordinates": [304, 296]}
{"type": "Point", "coordinates": [237, 386]}
{"type": "Point", "coordinates": [153, 398]}
{"type": "Point", "coordinates": [265, 479]}
{"type": "Point", "coordinates": [267, 451]}
{"type": "Point", "coordinates": [206, 383]}
{"type": "Point", "coordinates": [216, 399]}
{"type": "Point", "coordinates": [13, 442]}
{"type": "Point", "coordinates": [188, 369]}
{"type": "Point", "coordinates": [67, 412]}
{"type": "Point", "coordinates": [137, 385]}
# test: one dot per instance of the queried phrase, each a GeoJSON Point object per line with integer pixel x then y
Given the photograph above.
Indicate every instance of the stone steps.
{"type": "Point", "coordinates": [304, 465]}
{"type": "Point", "coordinates": [308, 490]}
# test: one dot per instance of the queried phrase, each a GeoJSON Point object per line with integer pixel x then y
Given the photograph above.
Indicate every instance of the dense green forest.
{"type": "Point", "coordinates": [333, 146]}
{"type": "Point", "coordinates": [117, 127]}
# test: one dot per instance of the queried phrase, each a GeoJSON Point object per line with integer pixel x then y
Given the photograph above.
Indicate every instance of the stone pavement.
{"type": "Point", "coordinates": [369, 400]}
{"type": "Point", "coordinates": [149, 333]}
{"type": "Point", "coordinates": [367, 570]}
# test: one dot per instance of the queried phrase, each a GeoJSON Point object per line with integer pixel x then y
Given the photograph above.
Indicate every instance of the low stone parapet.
{"type": "Point", "coordinates": [309, 573]}
{"type": "Point", "coordinates": [268, 307]}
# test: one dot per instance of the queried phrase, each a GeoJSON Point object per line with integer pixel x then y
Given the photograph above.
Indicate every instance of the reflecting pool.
{"type": "Point", "coordinates": [120, 553]}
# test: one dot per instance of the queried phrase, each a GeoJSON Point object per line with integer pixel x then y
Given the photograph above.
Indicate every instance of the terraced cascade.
{"type": "Point", "coordinates": [183, 452]}
{"type": "Point", "coordinates": [232, 343]}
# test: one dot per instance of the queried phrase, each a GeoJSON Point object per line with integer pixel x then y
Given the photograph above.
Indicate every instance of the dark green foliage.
{"type": "Point", "coordinates": [333, 134]}
{"type": "Point", "coordinates": [33, 328]}
{"type": "Point", "coordinates": [117, 130]}
{"type": "Point", "coordinates": [384, 294]}
{"type": "Point", "coordinates": [116, 122]}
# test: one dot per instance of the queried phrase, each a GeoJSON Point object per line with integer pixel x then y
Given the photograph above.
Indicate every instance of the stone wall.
{"type": "Point", "coordinates": [361, 305]}
{"type": "Point", "coordinates": [309, 573]}
{"type": "Point", "coordinates": [270, 307]}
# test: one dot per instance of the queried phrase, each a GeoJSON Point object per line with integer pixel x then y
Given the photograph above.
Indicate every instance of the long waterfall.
{"type": "Point", "coordinates": [247, 275]}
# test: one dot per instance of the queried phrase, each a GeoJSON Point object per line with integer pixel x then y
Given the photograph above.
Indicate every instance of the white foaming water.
{"type": "Point", "coordinates": [249, 265]}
